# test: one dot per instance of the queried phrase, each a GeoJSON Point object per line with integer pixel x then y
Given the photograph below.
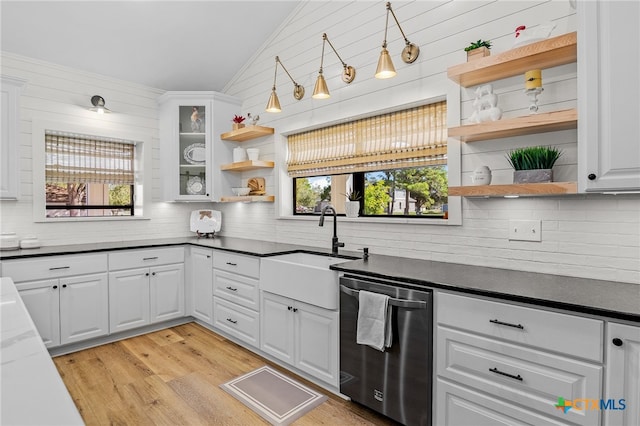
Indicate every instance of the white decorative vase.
{"type": "Point", "coordinates": [352, 208]}
{"type": "Point", "coordinates": [239, 155]}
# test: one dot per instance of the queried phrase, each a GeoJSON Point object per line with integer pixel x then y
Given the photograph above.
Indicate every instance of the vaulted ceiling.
{"type": "Point", "coordinates": [170, 45]}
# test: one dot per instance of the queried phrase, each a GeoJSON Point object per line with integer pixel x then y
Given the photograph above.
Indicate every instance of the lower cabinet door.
{"type": "Point", "coordinates": [84, 307]}
{"type": "Point", "coordinates": [128, 299]}
{"type": "Point", "coordinates": [43, 303]}
{"type": "Point", "coordinates": [276, 327]}
{"type": "Point", "coordinates": [623, 373]}
{"type": "Point", "coordinates": [459, 406]}
{"type": "Point", "coordinates": [237, 321]}
{"type": "Point", "coordinates": [316, 338]}
{"type": "Point", "coordinates": [167, 292]}
{"type": "Point", "coordinates": [201, 280]}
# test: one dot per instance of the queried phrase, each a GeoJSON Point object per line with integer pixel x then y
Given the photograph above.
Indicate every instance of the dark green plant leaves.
{"type": "Point", "coordinates": [533, 157]}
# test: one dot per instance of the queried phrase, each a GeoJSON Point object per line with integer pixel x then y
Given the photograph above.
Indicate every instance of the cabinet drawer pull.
{"type": "Point", "coordinates": [231, 288]}
{"type": "Point", "coordinates": [232, 264]}
{"type": "Point", "coordinates": [232, 321]}
{"type": "Point", "coordinates": [60, 267]}
{"type": "Point", "coordinates": [150, 258]}
{"type": "Point", "coordinates": [55, 287]}
{"type": "Point", "coordinates": [495, 370]}
{"type": "Point", "coordinates": [495, 321]}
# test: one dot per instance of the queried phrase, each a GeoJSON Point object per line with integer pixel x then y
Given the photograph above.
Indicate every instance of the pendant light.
{"type": "Point", "coordinates": [321, 91]}
{"type": "Point", "coordinates": [410, 52]}
{"type": "Point", "coordinates": [273, 105]}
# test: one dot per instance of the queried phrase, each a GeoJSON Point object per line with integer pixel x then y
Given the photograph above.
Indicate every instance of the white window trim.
{"type": "Point", "coordinates": [143, 167]}
{"type": "Point", "coordinates": [284, 185]}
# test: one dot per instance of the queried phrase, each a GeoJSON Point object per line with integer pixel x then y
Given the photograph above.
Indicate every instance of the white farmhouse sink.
{"type": "Point", "coordinates": [302, 276]}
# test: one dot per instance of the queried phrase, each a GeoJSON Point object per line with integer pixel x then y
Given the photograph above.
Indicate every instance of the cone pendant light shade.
{"type": "Point", "coordinates": [321, 90]}
{"type": "Point", "coordinates": [274, 103]}
{"type": "Point", "coordinates": [385, 66]}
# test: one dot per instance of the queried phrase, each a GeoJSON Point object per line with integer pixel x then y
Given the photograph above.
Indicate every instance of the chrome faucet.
{"type": "Point", "coordinates": [334, 241]}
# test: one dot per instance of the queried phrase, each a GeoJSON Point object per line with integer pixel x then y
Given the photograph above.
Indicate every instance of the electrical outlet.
{"type": "Point", "coordinates": [525, 230]}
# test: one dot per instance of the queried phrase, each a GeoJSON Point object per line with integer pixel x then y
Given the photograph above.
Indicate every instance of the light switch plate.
{"type": "Point", "coordinates": [525, 230]}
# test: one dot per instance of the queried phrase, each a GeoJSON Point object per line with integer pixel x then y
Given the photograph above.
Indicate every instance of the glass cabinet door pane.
{"type": "Point", "coordinates": [193, 150]}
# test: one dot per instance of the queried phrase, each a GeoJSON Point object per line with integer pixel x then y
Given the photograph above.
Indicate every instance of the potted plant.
{"type": "Point", "coordinates": [478, 49]}
{"type": "Point", "coordinates": [238, 122]}
{"type": "Point", "coordinates": [352, 206]}
{"type": "Point", "coordinates": [533, 164]}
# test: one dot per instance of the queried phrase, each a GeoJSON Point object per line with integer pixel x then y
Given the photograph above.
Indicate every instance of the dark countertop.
{"type": "Point", "coordinates": [596, 297]}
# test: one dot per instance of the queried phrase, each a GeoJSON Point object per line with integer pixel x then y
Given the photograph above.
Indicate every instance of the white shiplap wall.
{"type": "Point", "coordinates": [58, 94]}
{"type": "Point", "coordinates": [594, 236]}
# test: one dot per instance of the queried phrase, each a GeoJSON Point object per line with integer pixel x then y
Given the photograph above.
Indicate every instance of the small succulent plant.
{"type": "Point", "coordinates": [533, 157]}
{"type": "Point", "coordinates": [353, 195]}
{"type": "Point", "coordinates": [478, 44]}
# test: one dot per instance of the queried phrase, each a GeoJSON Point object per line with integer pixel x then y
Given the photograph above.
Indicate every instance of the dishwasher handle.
{"type": "Point", "coordinates": [401, 303]}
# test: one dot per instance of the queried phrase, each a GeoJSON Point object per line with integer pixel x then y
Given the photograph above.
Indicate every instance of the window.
{"type": "Point", "coordinates": [396, 162]}
{"type": "Point", "coordinates": [88, 176]}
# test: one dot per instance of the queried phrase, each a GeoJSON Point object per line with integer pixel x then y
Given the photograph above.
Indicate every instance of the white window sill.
{"type": "Point", "coordinates": [386, 221]}
{"type": "Point", "coordinates": [92, 219]}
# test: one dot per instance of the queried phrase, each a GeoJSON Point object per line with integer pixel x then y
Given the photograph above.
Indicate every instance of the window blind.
{"type": "Point", "coordinates": [73, 158]}
{"type": "Point", "coordinates": [411, 138]}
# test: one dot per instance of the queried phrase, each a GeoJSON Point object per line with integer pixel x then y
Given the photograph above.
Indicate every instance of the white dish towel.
{"type": "Point", "coordinates": [374, 320]}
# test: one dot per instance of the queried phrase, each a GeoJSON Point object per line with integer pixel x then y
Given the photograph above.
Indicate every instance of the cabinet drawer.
{"type": "Point", "coordinates": [238, 289]}
{"type": "Point", "coordinates": [527, 377]}
{"type": "Point", "coordinates": [567, 334]}
{"type": "Point", "coordinates": [54, 267]}
{"type": "Point", "coordinates": [237, 321]}
{"type": "Point", "coordinates": [129, 259]}
{"type": "Point", "coordinates": [237, 263]}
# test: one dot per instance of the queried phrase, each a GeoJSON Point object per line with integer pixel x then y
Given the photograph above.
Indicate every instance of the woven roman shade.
{"type": "Point", "coordinates": [411, 138]}
{"type": "Point", "coordinates": [72, 158]}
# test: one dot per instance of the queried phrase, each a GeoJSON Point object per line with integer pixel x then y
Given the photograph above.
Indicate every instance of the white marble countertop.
{"type": "Point", "coordinates": [32, 392]}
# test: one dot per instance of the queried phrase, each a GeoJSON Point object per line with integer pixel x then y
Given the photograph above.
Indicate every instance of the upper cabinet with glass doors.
{"type": "Point", "coordinates": [188, 149]}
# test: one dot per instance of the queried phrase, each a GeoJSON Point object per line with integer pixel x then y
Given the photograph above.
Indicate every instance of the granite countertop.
{"type": "Point", "coordinates": [596, 297]}
{"type": "Point", "coordinates": [32, 391]}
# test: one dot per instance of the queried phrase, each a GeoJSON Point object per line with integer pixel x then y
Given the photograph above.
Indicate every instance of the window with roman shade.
{"type": "Point", "coordinates": [88, 175]}
{"type": "Point", "coordinates": [414, 137]}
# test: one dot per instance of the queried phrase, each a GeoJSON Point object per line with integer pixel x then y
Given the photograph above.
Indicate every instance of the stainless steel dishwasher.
{"type": "Point", "coordinates": [397, 382]}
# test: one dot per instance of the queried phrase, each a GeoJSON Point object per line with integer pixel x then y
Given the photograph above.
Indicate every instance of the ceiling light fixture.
{"type": "Point", "coordinates": [409, 53]}
{"type": "Point", "coordinates": [274, 103]}
{"type": "Point", "coordinates": [98, 105]}
{"type": "Point", "coordinates": [321, 90]}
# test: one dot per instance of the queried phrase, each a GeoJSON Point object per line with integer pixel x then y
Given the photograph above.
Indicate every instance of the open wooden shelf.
{"type": "Point", "coordinates": [547, 53]}
{"type": "Point", "coordinates": [518, 126]}
{"type": "Point", "coordinates": [247, 133]}
{"type": "Point", "coordinates": [521, 189]}
{"type": "Point", "coordinates": [249, 199]}
{"type": "Point", "coordinates": [244, 166]}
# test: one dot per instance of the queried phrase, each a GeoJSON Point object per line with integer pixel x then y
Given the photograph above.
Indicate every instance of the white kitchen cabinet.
{"type": "Point", "coordinates": [236, 304]}
{"type": "Point", "coordinates": [623, 375]}
{"type": "Point", "coordinates": [301, 335]}
{"type": "Point", "coordinates": [492, 355]}
{"type": "Point", "coordinates": [201, 277]}
{"type": "Point", "coordinates": [68, 310]}
{"type": "Point", "coordinates": [145, 287]}
{"type": "Point", "coordinates": [190, 148]}
{"type": "Point", "coordinates": [11, 88]}
{"type": "Point", "coordinates": [609, 88]}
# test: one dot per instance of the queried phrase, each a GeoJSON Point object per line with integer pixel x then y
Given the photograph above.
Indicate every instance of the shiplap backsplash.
{"type": "Point", "coordinates": [594, 236]}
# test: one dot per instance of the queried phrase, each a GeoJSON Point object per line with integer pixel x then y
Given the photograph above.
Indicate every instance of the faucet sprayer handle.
{"type": "Point", "coordinates": [365, 253]}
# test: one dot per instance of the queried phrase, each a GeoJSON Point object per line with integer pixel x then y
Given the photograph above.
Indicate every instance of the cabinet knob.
{"type": "Point", "coordinates": [55, 287]}
{"type": "Point", "coordinates": [153, 273]}
{"type": "Point", "coordinates": [616, 341]}
{"type": "Point", "coordinates": [592, 176]}
{"type": "Point", "coordinates": [289, 308]}
{"type": "Point", "coordinates": [64, 286]}
{"type": "Point", "coordinates": [146, 275]}
{"type": "Point", "coordinates": [295, 309]}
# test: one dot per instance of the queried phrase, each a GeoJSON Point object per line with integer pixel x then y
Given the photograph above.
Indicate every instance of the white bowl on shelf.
{"type": "Point", "coordinates": [241, 191]}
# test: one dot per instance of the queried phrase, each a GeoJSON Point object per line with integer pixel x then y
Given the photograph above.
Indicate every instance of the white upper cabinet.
{"type": "Point", "coordinates": [609, 96]}
{"type": "Point", "coordinates": [190, 151]}
{"type": "Point", "coordinates": [9, 133]}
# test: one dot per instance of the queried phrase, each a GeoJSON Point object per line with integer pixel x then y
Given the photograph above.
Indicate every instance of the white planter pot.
{"type": "Point", "coordinates": [352, 208]}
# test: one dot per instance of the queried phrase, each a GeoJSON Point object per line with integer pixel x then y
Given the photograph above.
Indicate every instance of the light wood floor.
{"type": "Point", "coordinates": [172, 377]}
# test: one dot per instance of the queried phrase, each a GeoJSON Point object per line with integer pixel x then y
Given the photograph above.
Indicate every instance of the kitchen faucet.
{"type": "Point", "coordinates": [334, 241]}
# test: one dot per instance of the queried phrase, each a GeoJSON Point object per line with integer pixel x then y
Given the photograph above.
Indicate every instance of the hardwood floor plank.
{"type": "Point", "coordinates": [173, 377]}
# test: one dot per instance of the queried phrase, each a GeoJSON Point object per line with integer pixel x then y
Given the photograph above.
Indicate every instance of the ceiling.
{"type": "Point", "coordinates": [170, 45]}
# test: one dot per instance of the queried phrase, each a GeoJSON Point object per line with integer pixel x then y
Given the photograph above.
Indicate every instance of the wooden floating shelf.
{"type": "Point", "coordinates": [522, 189]}
{"type": "Point", "coordinates": [249, 199]}
{"type": "Point", "coordinates": [247, 133]}
{"type": "Point", "coordinates": [247, 165]}
{"type": "Point", "coordinates": [518, 126]}
{"type": "Point", "coordinates": [542, 54]}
